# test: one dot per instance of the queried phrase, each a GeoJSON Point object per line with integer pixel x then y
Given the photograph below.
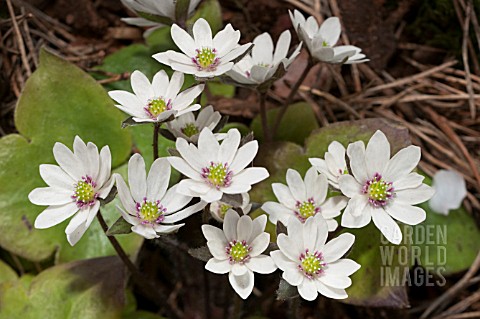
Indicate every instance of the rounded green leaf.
{"type": "Point", "coordinates": [59, 101]}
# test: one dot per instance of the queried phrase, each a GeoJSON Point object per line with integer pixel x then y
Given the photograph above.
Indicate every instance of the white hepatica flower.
{"type": "Point", "coordinates": [164, 9]}
{"type": "Point", "coordinates": [218, 209]}
{"type": "Point", "coordinates": [213, 169]}
{"type": "Point", "coordinates": [189, 128]}
{"type": "Point", "coordinates": [313, 265]}
{"type": "Point", "coordinates": [321, 40]}
{"type": "Point", "coordinates": [304, 199]}
{"type": "Point", "coordinates": [203, 56]}
{"type": "Point", "coordinates": [237, 250]}
{"type": "Point", "coordinates": [450, 191]}
{"type": "Point", "coordinates": [156, 101]}
{"type": "Point", "coordinates": [259, 66]}
{"type": "Point", "coordinates": [74, 187]}
{"type": "Point", "coordinates": [147, 204]}
{"type": "Point", "coordinates": [383, 188]}
{"type": "Point", "coordinates": [334, 165]}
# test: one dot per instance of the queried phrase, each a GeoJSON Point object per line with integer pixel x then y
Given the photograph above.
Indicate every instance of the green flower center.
{"type": "Point", "coordinates": [217, 175]}
{"type": "Point", "coordinates": [311, 264]}
{"type": "Point", "coordinates": [324, 43]}
{"type": "Point", "coordinates": [156, 107]}
{"type": "Point", "coordinates": [378, 190]}
{"type": "Point", "coordinates": [84, 192]}
{"type": "Point", "coordinates": [238, 251]}
{"type": "Point", "coordinates": [151, 212]}
{"type": "Point", "coordinates": [206, 59]}
{"type": "Point", "coordinates": [306, 209]}
{"type": "Point", "coordinates": [190, 129]}
{"type": "Point", "coordinates": [223, 210]}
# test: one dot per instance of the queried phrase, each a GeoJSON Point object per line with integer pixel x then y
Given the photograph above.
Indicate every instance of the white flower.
{"type": "Point", "coordinates": [259, 66]}
{"type": "Point", "coordinates": [382, 188]}
{"type": "Point", "coordinates": [450, 190]}
{"type": "Point", "coordinates": [218, 209]}
{"type": "Point", "coordinates": [303, 199]}
{"type": "Point", "coordinates": [313, 265]}
{"type": "Point", "coordinates": [213, 169]}
{"type": "Point", "coordinates": [164, 9]}
{"type": "Point", "coordinates": [334, 165]}
{"type": "Point", "coordinates": [74, 187]}
{"type": "Point", "coordinates": [148, 204]}
{"type": "Point", "coordinates": [237, 250]}
{"type": "Point", "coordinates": [157, 101]}
{"type": "Point", "coordinates": [203, 56]}
{"type": "Point", "coordinates": [189, 128]}
{"type": "Point", "coordinates": [321, 41]}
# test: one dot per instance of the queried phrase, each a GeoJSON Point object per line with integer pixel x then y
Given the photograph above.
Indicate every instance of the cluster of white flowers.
{"type": "Point", "coordinates": [217, 167]}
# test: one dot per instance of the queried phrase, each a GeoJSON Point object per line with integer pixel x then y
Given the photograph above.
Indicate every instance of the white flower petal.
{"type": "Point", "coordinates": [402, 163]}
{"type": "Point", "coordinates": [308, 290]}
{"type": "Point", "coordinates": [342, 267]}
{"type": "Point", "coordinates": [330, 292]}
{"type": "Point", "coordinates": [262, 264]}
{"type": "Point", "coordinates": [187, 212]}
{"type": "Point", "coordinates": [339, 282]}
{"type": "Point", "coordinates": [125, 195]}
{"type": "Point", "coordinates": [356, 154]}
{"type": "Point", "coordinates": [218, 266]}
{"type": "Point", "coordinates": [412, 180]}
{"type": "Point", "coordinates": [225, 40]}
{"type": "Point", "coordinates": [137, 178]}
{"type": "Point", "coordinates": [54, 215]}
{"type": "Point", "coordinates": [239, 269]}
{"type": "Point", "coordinates": [251, 175]}
{"type": "Point", "coordinates": [230, 225]}
{"type": "Point", "coordinates": [50, 196]}
{"type": "Point", "coordinates": [166, 229]}
{"type": "Point", "coordinates": [387, 226]}
{"type": "Point", "coordinates": [243, 285]}
{"type": "Point", "coordinates": [414, 196]}
{"type": "Point", "coordinates": [158, 178]}
{"type": "Point", "coordinates": [337, 247]}
{"type": "Point", "coordinates": [293, 276]}
{"type": "Point", "coordinates": [296, 185]}
{"type": "Point", "coordinates": [217, 248]}
{"type": "Point", "coordinates": [174, 86]}
{"type": "Point", "coordinates": [76, 234]}
{"type": "Point", "coordinates": [67, 161]}
{"type": "Point", "coordinates": [377, 153]}
{"type": "Point", "coordinates": [407, 214]}
{"type": "Point", "coordinates": [259, 244]}
{"type": "Point", "coordinates": [332, 206]}
{"type": "Point", "coordinates": [141, 86]}
{"type": "Point", "coordinates": [146, 231]}
{"type": "Point", "coordinates": [349, 186]}
{"type": "Point", "coordinates": [283, 45]}
{"type": "Point", "coordinates": [213, 233]}
{"type": "Point", "coordinates": [160, 83]}
{"type": "Point", "coordinates": [202, 34]}
{"type": "Point", "coordinates": [330, 30]}
{"type": "Point", "coordinates": [229, 146]}
{"type": "Point", "coordinates": [282, 261]}
{"type": "Point", "coordinates": [183, 40]}
{"type": "Point", "coordinates": [351, 221]}
{"type": "Point", "coordinates": [277, 212]}
{"type": "Point", "coordinates": [174, 201]}
{"type": "Point", "coordinates": [284, 195]}
{"type": "Point", "coordinates": [56, 177]}
{"type": "Point", "coordinates": [450, 190]}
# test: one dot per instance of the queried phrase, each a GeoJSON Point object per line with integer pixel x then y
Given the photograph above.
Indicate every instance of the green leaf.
{"type": "Point", "coordinates": [120, 227]}
{"type": "Point", "coordinates": [445, 245]}
{"type": "Point", "coordinates": [296, 125]}
{"type": "Point", "coordinates": [6, 273]}
{"type": "Point", "coordinates": [380, 282]}
{"type": "Point", "coordinates": [59, 101]}
{"type": "Point", "coordinates": [83, 289]}
{"type": "Point", "coordinates": [211, 11]}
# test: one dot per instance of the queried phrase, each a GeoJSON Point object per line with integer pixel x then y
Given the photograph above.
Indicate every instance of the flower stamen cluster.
{"type": "Point", "coordinates": [217, 175]}
{"type": "Point", "coordinates": [84, 193]}
{"type": "Point", "coordinates": [311, 264]}
{"type": "Point", "coordinates": [238, 251]}
{"type": "Point", "coordinates": [206, 59]}
{"type": "Point", "coordinates": [379, 191]}
{"type": "Point", "coordinates": [306, 209]}
{"type": "Point", "coordinates": [151, 212]}
{"type": "Point", "coordinates": [157, 106]}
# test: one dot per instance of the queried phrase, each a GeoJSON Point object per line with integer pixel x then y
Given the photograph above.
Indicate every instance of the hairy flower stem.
{"type": "Point", "coordinates": [156, 130]}
{"type": "Point", "coordinates": [263, 115]}
{"type": "Point", "coordinates": [290, 97]}
{"type": "Point", "coordinates": [147, 286]}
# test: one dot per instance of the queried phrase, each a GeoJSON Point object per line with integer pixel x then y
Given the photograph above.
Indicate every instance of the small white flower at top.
{"type": "Point", "coordinates": [321, 40]}
{"type": "Point", "coordinates": [450, 191]}
{"type": "Point", "coordinates": [237, 250]}
{"type": "Point", "coordinates": [214, 169]}
{"type": "Point", "coordinates": [148, 204]}
{"type": "Point", "coordinates": [203, 56]}
{"type": "Point", "coordinates": [383, 188]}
{"type": "Point", "coordinates": [334, 165]}
{"type": "Point", "coordinates": [313, 265]}
{"type": "Point", "coordinates": [159, 100]}
{"type": "Point", "coordinates": [189, 128]}
{"type": "Point", "coordinates": [164, 10]}
{"type": "Point", "coordinates": [264, 60]}
{"type": "Point", "coordinates": [303, 199]}
{"type": "Point", "coordinates": [218, 209]}
{"type": "Point", "coordinates": [74, 187]}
